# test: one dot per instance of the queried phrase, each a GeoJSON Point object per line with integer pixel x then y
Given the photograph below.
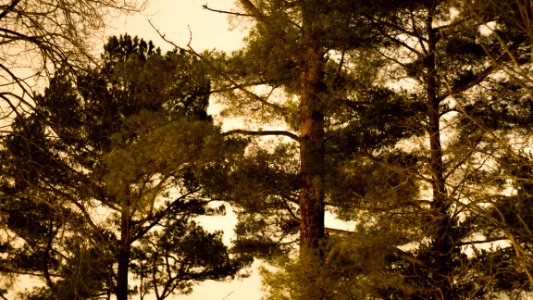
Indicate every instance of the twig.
{"type": "Point", "coordinates": [225, 11]}
{"type": "Point", "coordinates": [229, 294]}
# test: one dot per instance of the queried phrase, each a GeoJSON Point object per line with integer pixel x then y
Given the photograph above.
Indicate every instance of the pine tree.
{"type": "Point", "coordinates": [400, 162]}
{"type": "Point", "coordinates": [454, 71]}
{"type": "Point", "coordinates": [113, 160]}
{"type": "Point", "coordinates": [289, 53]}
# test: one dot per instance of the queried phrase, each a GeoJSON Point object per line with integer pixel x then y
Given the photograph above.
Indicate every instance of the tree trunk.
{"type": "Point", "coordinates": [442, 248]}
{"type": "Point", "coordinates": [312, 151]}
{"type": "Point", "coordinates": [311, 135]}
{"type": "Point", "coordinates": [123, 258]}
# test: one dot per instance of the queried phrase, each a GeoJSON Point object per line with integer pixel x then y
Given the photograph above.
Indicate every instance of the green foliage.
{"type": "Point", "coordinates": [180, 254]}
{"type": "Point", "coordinates": [428, 172]}
{"type": "Point", "coordinates": [107, 162]}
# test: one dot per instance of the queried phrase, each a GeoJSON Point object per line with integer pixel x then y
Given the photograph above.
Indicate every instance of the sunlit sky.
{"type": "Point", "coordinates": [182, 21]}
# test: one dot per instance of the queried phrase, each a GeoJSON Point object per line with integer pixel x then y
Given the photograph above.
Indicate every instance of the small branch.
{"type": "Point", "coordinates": [225, 11]}
{"type": "Point", "coordinates": [9, 8]}
{"type": "Point", "coordinates": [337, 231]}
{"type": "Point", "coordinates": [263, 133]}
{"type": "Point", "coordinates": [254, 11]}
{"type": "Point", "coordinates": [229, 294]}
{"type": "Point", "coordinates": [285, 201]}
{"type": "Point", "coordinates": [221, 73]}
{"type": "Point", "coordinates": [496, 239]}
{"type": "Point", "coordinates": [190, 36]}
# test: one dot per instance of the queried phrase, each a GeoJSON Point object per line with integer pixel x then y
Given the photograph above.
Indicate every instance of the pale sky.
{"type": "Point", "coordinates": [177, 19]}
{"type": "Point", "coordinates": [173, 18]}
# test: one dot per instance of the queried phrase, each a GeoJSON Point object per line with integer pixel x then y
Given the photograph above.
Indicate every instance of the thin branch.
{"type": "Point", "coordinates": [497, 239]}
{"type": "Point", "coordinates": [285, 201]}
{"type": "Point", "coordinates": [233, 88]}
{"type": "Point", "coordinates": [226, 12]}
{"type": "Point", "coordinates": [421, 39]}
{"type": "Point", "coordinates": [139, 230]}
{"type": "Point", "coordinates": [224, 75]}
{"type": "Point", "coordinates": [254, 11]}
{"type": "Point", "coordinates": [337, 231]}
{"type": "Point", "coordinates": [9, 8]}
{"type": "Point", "coordinates": [263, 133]}
{"type": "Point", "coordinates": [394, 39]}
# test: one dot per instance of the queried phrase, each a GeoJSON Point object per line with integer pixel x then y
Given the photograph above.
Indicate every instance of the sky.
{"type": "Point", "coordinates": [184, 21]}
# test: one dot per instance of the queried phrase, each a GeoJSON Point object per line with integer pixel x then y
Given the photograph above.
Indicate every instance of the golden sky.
{"type": "Point", "coordinates": [173, 18]}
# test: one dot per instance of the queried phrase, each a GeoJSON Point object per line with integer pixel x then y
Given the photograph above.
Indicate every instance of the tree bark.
{"type": "Point", "coordinates": [123, 257]}
{"type": "Point", "coordinates": [312, 152]}
{"type": "Point", "coordinates": [311, 126]}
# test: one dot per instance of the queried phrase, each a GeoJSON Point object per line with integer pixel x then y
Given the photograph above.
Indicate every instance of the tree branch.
{"type": "Point", "coordinates": [224, 75]}
{"type": "Point", "coordinates": [9, 8]}
{"type": "Point", "coordinates": [254, 12]}
{"type": "Point", "coordinates": [480, 76]}
{"type": "Point", "coordinates": [225, 11]}
{"type": "Point", "coordinates": [337, 231]}
{"type": "Point", "coordinates": [263, 133]}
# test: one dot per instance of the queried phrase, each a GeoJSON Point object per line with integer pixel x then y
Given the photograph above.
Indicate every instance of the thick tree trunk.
{"type": "Point", "coordinates": [311, 134]}
{"type": "Point", "coordinates": [310, 60]}
{"type": "Point", "coordinates": [312, 151]}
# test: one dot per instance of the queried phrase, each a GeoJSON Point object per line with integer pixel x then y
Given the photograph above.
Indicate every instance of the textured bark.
{"type": "Point", "coordinates": [310, 63]}
{"type": "Point", "coordinates": [123, 257]}
{"type": "Point", "coordinates": [311, 133]}
{"type": "Point", "coordinates": [312, 151]}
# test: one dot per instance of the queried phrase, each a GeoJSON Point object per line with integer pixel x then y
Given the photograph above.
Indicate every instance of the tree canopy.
{"type": "Point", "coordinates": [411, 120]}
{"type": "Point", "coordinates": [403, 116]}
{"type": "Point", "coordinates": [103, 179]}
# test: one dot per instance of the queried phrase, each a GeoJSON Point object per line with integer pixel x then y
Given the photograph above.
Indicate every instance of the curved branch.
{"type": "Point", "coordinates": [254, 11]}
{"type": "Point", "coordinates": [9, 8]}
{"type": "Point", "coordinates": [224, 75]}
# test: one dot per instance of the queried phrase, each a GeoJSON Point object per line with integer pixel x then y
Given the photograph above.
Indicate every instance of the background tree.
{"type": "Point", "coordinates": [40, 36]}
{"type": "Point", "coordinates": [110, 163]}
{"type": "Point", "coordinates": [455, 70]}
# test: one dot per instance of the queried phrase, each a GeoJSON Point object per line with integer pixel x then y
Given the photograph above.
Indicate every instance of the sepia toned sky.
{"type": "Point", "coordinates": [182, 21]}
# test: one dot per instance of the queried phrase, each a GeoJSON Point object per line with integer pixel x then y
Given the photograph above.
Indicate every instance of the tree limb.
{"type": "Point", "coordinates": [224, 75]}
{"type": "Point", "coordinates": [225, 11]}
{"type": "Point", "coordinates": [263, 133]}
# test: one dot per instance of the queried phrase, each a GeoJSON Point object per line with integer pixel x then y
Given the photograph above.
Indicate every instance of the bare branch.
{"type": "Point", "coordinates": [224, 75]}
{"type": "Point", "coordinates": [225, 11]}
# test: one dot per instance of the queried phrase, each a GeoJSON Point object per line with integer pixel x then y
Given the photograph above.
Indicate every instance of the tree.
{"type": "Point", "coordinates": [454, 70]}
{"type": "Point", "coordinates": [288, 54]}
{"type": "Point", "coordinates": [40, 36]}
{"type": "Point", "coordinates": [117, 154]}
{"type": "Point", "coordinates": [425, 197]}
